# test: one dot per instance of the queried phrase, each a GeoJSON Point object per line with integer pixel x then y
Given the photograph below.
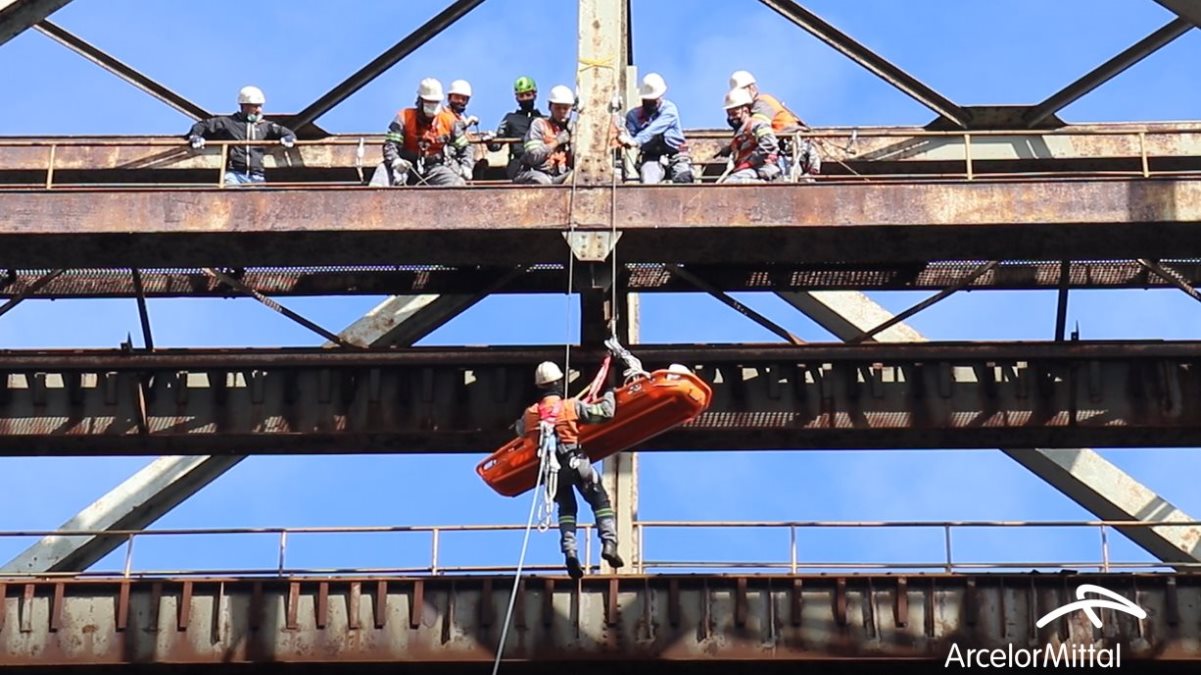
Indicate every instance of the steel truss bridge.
{"type": "Point", "coordinates": [982, 198]}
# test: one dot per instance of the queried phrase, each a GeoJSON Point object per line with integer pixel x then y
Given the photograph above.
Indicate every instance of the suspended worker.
{"type": "Point", "coordinates": [548, 159]}
{"type": "Point", "coordinates": [517, 123]}
{"type": "Point", "coordinates": [245, 162]}
{"type": "Point", "coordinates": [784, 123]}
{"type": "Point", "coordinates": [564, 416]}
{"type": "Point", "coordinates": [424, 144]}
{"type": "Point", "coordinates": [754, 150]}
{"type": "Point", "coordinates": [655, 132]}
{"type": "Point", "coordinates": [457, 98]}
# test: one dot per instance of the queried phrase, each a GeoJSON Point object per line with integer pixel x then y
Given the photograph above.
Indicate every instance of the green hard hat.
{"type": "Point", "coordinates": [524, 84]}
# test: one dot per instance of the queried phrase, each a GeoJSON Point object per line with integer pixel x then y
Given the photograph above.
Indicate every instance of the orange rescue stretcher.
{"type": "Point", "coordinates": [646, 407]}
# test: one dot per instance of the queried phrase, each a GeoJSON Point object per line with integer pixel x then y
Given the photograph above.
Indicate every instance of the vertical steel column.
{"type": "Point", "coordinates": [620, 472]}
{"type": "Point", "coordinates": [602, 82]}
{"type": "Point", "coordinates": [602, 59]}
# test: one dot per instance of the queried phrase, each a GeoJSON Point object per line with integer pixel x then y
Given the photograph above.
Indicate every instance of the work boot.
{"type": "Point", "coordinates": [573, 566]}
{"type": "Point", "coordinates": [609, 553]}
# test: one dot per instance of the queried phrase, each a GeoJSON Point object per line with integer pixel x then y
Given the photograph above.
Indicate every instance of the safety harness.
{"type": "Point", "coordinates": [548, 444]}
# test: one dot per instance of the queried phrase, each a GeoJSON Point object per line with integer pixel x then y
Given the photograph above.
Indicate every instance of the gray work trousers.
{"type": "Point", "coordinates": [652, 169]}
{"type": "Point", "coordinates": [583, 477]}
{"type": "Point", "coordinates": [535, 177]}
{"type": "Point", "coordinates": [438, 174]}
{"type": "Point", "coordinates": [764, 174]}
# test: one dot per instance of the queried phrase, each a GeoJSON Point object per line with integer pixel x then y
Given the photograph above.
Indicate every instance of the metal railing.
{"type": "Point", "coordinates": [1134, 148]}
{"type": "Point", "coordinates": [793, 559]}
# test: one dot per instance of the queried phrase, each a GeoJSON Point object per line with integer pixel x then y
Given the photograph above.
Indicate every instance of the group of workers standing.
{"type": "Point", "coordinates": [428, 144]}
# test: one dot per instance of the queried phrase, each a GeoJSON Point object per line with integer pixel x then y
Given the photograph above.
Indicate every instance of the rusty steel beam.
{"type": "Point", "coordinates": [1107, 71]}
{"type": "Point", "coordinates": [18, 16]}
{"type": "Point", "coordinates": [863, 224]}
{"type": "Point", "coordinates": [447, 400]}
{"type": "Point", "coordinates": [873, 62]}
{"type": "Point", "coordinates": [121, 70]}
{"type": "Point", "coordinates": [1090, 148]}
{"type": "Point", "coordinates": [168, 481]}
{"type": "Point", "coordinates": [1185, 9]}
{"type": "Point", "coordinates": [625, 622]}
{"type": "Point", "coordinates": [600, 80]}
{"type": "Point", "coordinates": [640, 278]}
{"type": "Point", "coordinates": [383, 62]}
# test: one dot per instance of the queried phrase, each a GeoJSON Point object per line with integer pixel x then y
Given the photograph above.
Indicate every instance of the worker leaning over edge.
{"type": "Point", "coordinates": [424, 143]}
{"type": "Point", "coordinates": [784, 124]}
{"type": "Point", "coordinates": [754, 150]}
{"type": "Point", "coordinates": [457, 99]}
{"type": "Point", "coordinates": [564, 416]}
{"type": "Point", "coordinates": [517, 123]}
{"type": "Point", "coordinates": [548, 157]}
{"type": "Point", "coordinates": [245, 162]}
{"type": "Point", "coordinates": [654, 130]}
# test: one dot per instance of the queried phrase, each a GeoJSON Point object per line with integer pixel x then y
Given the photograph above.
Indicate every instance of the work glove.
{"type": "Point", "coordinates": [471, 121]}
{"type": "Point", "coordinates": [563, 138]}
{"type": "Point", "coordinates": [401, 165]}
{"type": "Point", "coordinates": [627, 140]}
{"type": "Point", "coordinates": [486, 137]}
{"type": "Point", "coordinates": [197, 142]}
{"type": "Point", "coordinates": [288, 141]}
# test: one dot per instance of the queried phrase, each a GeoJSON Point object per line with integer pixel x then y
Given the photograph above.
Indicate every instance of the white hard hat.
{"type": "Point", "coordinates": [652, 87]}
{"type": "Point", "coordinates": [738, 97]}
{"type": "Point", "coordinates": [548, 371]}
{"type": "Point", "coordinates": [252, 96]}
{"type": "Point", "coordinates": [460, 87]}
{"type": "Point", "coordinates": [678, 368]}
{"type": "Point", "coordinates": [563, 95]}
{"type": "Point", "coordinates": [430, 89]}
{"type": "Point", "coordinates": [741, 79]}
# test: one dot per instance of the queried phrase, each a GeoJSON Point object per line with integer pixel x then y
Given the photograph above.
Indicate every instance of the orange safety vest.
{"type": "Point", "coordinates": [745, 142]}
{"type": "Point", "coordinates": [558, 160]}
{"type": "Point", "coordinates": [435, 134]}
{"type": "Point", "coordinates": [781, 118]}
{"type": "Point", "coordinates": [561, 411]}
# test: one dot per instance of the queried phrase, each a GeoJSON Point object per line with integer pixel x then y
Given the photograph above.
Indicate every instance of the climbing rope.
{"type": "Point", "coordinates": [504, 633]}
{"type": "Point", "coordinates": [548, 462]}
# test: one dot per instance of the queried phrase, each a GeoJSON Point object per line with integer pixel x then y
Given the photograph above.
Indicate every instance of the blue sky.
{"type": "Point", "coordinates": [1016, 51]}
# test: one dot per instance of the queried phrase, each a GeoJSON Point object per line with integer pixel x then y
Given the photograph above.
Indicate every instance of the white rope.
{"type": "Point", "coordinates": [504, 633]}
{"type": "Point", "coordinates": [548, 462]}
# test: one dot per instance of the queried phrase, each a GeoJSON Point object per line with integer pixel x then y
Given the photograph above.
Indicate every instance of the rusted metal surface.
{"type": "Point", "coordinates": [602, 44]}
{"type": "Point", "coordinates": [365, 75]}
{"type": "Point", "coordinates": [121, 70]}
{"type": "Point", "coordinates": [463, 400]}
{"type": "Point", "coordinates": [1107, 71]}
{"type": "Point", "coordinates": [874, 224]}
{"type": "Point", "coordinates": [870, 60]}
{"type": "Point", "coordinates": [704, 618]}
{"type": "Point", "coordinates": [639, 278]}
{"type": "Point", "coordinates": [874, 151]}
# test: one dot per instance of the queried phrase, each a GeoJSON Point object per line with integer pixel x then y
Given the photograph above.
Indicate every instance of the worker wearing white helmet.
{"type": "Point", "coordinates": [560, 418]}
{"type": "Point", "coordinates": [547, 158]}
{"type": "Point", "coordinates": [245, 162]}
{"type": "Point", "coordinates": [754, 150]}
{"type": "Point", "coordinates": [784, 122]}
{"type": "Point", "coordinates": [457, 98]}
{"type": "Point", "coordinates": [655, 132]}
{"type": "Point", "coordinates": [425, 144]}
